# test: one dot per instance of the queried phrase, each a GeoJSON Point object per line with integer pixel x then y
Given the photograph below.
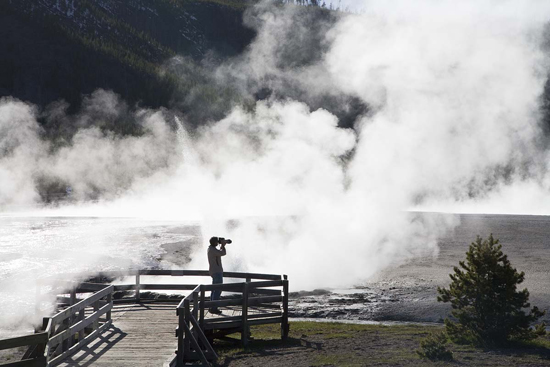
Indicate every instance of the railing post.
{"type": "Point", "coordinates": [137, 287]}
{"type": "Point", "coordinates": [185, 326]}
{"type": "Point", "coordinates": [72, 318]}
{"type": "Point", "coordinates": [65, 343]}
{"type": "Point", "coordinates": [96, 309]}
{"type": "Point", "coordinates": [244, 333]}
{"type": "Point", "coordinates": [181, 330]}
{"type": "Point", "coordinates": [81, 316]}
{"type": "Point", "coordinates": [201, 321]}
{"type": "Point", "coordinates": [110, 302]}
{"type": "Point", "coordinates": [284, 324]}
{"type": "Point", "coordinates": [196, 305]}
{"type": "Point", "coordinates": [73, 297]}
{"type": "Point", "coordinates": [196, 310]}
{"type": "Point", "coordinates": [46, 352]}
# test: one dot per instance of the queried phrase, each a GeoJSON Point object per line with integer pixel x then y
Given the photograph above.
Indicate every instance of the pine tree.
{"type": "Point", "coordinates": [487, 307]}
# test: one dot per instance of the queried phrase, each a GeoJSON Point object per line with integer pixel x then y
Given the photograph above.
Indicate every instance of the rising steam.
{"type": "Point", "coordinates": [453, 92]}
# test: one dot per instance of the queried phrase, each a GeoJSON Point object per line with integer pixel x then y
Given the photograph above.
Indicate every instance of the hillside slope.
{"type": "Point", "coordinates": [62, 49]}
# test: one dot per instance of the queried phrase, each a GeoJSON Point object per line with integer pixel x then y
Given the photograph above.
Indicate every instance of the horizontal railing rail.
{"type": "Point", "coordinates": [264, 280]}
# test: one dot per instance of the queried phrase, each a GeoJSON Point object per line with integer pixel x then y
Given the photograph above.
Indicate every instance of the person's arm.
{"type": "Point", "coordinates": [220, 252]}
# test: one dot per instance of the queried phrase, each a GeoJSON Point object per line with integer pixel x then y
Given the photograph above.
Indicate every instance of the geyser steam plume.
{"type": "Point", "coordinates": [453, 90]}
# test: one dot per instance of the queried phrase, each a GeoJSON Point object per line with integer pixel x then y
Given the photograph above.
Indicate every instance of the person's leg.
{"type": "Point", "coordinates": [217, 278]}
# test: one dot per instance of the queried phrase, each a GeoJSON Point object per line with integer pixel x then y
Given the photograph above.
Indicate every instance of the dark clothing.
{"type": "Point", "coordinates": [215, 260]}
{"type": "Point", "coordinates": [217, 278]}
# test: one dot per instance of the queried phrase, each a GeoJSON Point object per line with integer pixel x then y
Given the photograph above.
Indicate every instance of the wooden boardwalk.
{"type": "Point", "coordinates": [93, 328]}
{"type": "Point", "coordinates": [141, 335]}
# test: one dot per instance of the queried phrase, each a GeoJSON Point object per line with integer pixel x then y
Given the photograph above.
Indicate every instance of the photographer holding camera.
{"type": "Point", "coordinates": [215, 266]}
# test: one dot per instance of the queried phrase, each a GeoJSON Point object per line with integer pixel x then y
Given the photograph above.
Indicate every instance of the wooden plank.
{"type": "Point", "coordinates": [137, 287]}
{"type": "Point", "coordinates": [196, 305]}
{"type": "Point", "coordinates": [55, 361]}
{"type": "Point", "coordinates": [284, 323]}
{"type": "Point", "coordinates": [238, 301]}
{"type": "Point", "coordinates": [202, 273]}
{"type": "Point", "coordinates": [201, 320]}
{"type": "Point", "coordinates": [23, 341]}
{"type": "Point", "coordinates": [223, 325]}
{"type": "Point", "coordinates": [96, 320]}
{"type": "Point", "coordinates": [269, 283]}
{"type": "Point", "coordinates": [244, 315]}
{"type": "Point", "coordinates": [109, 301]}
{"type": "Point", "coordinates": [65, 341]}
{"type": "Point", "coordinates": [228, 274]}
{"type": "Point", "coordinates": [212, 325]}
{"type": "Point", "coordinates": [167, 287]}
{"type": "Point", "coordinates": [185, 327]}
{"type": "Point", "coordinates": [227, 287]}
{"type": "Point", "coordinates": [60, 316]}
{"type": "Point", "coordinates": [237, 318]}
{"type": "Point", "coordinates": [81, 317]}
{"type": "Point", "coordinates": [180, 332]}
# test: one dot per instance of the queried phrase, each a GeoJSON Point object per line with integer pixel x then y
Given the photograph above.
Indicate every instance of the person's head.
{"type": "Point", "coordinates": [213, 241]}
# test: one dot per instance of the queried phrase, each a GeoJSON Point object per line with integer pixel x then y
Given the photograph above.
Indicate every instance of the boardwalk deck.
{"type": "Point", "coordinates": [141, 335]}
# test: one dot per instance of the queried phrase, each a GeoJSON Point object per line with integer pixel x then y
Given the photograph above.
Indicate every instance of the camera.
{"type": "Point", "coordinates": [223, 241]}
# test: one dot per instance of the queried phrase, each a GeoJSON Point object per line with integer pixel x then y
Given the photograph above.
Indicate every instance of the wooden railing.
{"type": "Point", "coordinates": [193, 345]}
{"type": "Point", "coordinates": [85, 319]}
{"type": "Point", "coordinates": [68, 330]}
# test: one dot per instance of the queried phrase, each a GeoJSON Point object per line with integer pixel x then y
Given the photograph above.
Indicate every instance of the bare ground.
{"type": "Point", "coordinates": [330, 344]}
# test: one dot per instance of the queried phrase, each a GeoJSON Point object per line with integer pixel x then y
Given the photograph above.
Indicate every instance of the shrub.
{"type": "Point", "coordinates": [433, 347]}
{"type": "Point", "coordinates": [487, 307]}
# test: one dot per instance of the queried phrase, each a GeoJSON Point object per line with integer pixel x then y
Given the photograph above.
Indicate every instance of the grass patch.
{"type": "Point", "coordinates": [337, 344]}
{"type": "Point", "coordinates": [344, 360]}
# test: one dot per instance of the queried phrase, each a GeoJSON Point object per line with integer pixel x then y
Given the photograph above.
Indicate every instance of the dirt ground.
{"type": "Point", "coordinates": [330, 344]}
{"type": "Point", "coordinates": [11, 355]}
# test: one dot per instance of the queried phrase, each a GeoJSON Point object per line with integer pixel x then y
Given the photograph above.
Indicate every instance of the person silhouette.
{"type": "Point", "coordinates": [215, 268]}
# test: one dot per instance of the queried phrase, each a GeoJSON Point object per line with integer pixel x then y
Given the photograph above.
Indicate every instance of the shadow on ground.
{"type": "Point", "coordinates": [232, 349]}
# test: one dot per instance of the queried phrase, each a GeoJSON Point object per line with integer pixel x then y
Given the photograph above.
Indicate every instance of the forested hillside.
{"type": "Point", "coordinates": [154, 53]}
{"type": "Point", "coordinates": [54, 49]}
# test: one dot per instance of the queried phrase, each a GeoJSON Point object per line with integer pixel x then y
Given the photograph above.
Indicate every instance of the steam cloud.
{"type": "Point", "coordinates": [453, 92]}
